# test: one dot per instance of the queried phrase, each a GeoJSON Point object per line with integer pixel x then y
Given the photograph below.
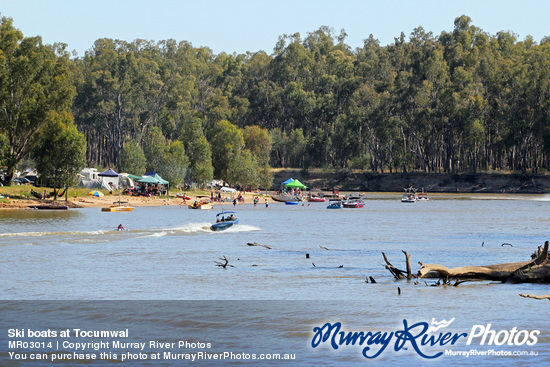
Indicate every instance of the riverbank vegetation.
{"type": "Point", "coordinates": [460, 101]}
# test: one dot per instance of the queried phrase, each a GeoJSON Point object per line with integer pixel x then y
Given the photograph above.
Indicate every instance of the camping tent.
{"type": "Point", "coordinates": [297, 184]}
{"type": "Point", "coordinates": [109, 178]}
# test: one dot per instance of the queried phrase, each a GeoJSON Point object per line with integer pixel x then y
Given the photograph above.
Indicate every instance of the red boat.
{"type": "Point", "coordinates": [353, 204]}
{"type": "Point", "coordinates": [316, 199]}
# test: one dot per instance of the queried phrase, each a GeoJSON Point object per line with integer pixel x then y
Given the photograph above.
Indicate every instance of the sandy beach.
{"type": "Point", "coordinates": [108, 200]}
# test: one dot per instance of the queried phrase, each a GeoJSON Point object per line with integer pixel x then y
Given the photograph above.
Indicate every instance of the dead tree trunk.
{"type": "Point", "coordinates": [502, 272]}
{"type": "Point", "coordinates": [408, 259]}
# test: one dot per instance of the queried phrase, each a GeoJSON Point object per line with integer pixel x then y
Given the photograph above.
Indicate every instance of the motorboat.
{"type": "Point", "coordinates": [285, 197]}
{"type": "Point", "coordinates": [49, 207]}
{"type": "Point", "coordinates": [316, 199]}
{"type": "Point", "coordinates": [353, 203]}
{"type": "Point", "coordinates": [225, 220]}
{"type": "Point", "coordinates": [120, 208]}
{"type": "Point", "coordinates": [409, 196]}
{"type": "Point", "coordinates": [422, 196]}
{"type": "Point", "coordinates": [202, 202]}
{"type": "Point", "coordinates": [335, 204]}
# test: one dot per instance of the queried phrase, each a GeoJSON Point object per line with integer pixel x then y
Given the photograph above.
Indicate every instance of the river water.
{"type": "Point", "coordinates": [160, 279]}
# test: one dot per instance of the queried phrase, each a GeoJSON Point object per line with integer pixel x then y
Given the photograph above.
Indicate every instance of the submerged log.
{"type": "Point", "coordinates": [517, 272]}
{"type": "Point", "coordinates": [257, 244]}
{"type": "Point", "coordinates": [546, 296]}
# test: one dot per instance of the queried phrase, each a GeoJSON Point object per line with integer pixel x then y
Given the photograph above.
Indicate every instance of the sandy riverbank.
{"type": "Point", "coordinates": [108, 200]}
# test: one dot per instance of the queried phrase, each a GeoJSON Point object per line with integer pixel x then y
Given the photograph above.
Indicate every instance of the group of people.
{"type": "Point", "coordinates": [229, 218]}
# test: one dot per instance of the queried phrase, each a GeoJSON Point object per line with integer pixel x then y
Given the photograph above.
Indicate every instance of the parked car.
{"type": "Point", "coordinates": [21, 181]}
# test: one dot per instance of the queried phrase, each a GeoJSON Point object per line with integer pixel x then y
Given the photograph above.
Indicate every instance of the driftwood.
{"type": "Point", "coordinates": [397, 273]}
{"type": "Point", "coordinates": [257, 244]}
{"type": "Point", "coordinates": [525, 271]}
{"type": "Point", "coordinates": [225, 264]}
{"type": "Point", "coordinates": [546, 296]}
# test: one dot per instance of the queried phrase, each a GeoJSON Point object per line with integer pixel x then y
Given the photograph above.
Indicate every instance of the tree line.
{"type": "Point", "coordinates": [461, 101]}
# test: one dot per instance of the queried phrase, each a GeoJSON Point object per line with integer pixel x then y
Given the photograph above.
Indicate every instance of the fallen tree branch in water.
{"type": "Point", "coordinates": [223, 265]}
{"type": "Point", "coordinates": [519, 272]}
{"type": "Point", "coordinates": [257, 244]}
{"type": "Point", "coordinates": [546, 296]}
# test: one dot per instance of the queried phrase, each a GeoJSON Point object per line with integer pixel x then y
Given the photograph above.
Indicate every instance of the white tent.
{"type": "Point", "coordinates": [228, 190]}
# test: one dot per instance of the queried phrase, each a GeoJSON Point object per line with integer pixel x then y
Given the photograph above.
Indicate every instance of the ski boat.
{"type": "Point", "coordinates": [316, 199]}
{"type": "Point", "coordinates": [202, 202]}
{"type": "Point", "coordinates": [422, 196]}
{"type": "Point", "coordinates": [225, 220]}
{"type": "Point", "coordinates": [50, 207]}
{"type": "Point", "coordinates": [354, 203]}
{"type": "Point", "coordinates": [285, 198]}
{"type": "Point", "coordinates": [121, 208]}
{"type": "Point", "coordinates": [409, 196]}
{"type": "Point", "coordinates": [335, 204]}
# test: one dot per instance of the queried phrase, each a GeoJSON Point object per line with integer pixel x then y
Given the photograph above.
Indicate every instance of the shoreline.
{"type": "Point", "coordinates": [109, 200]}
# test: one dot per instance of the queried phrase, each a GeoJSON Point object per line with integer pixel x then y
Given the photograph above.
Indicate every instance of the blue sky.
{"type": "Point", "coordinates": [253, 25]}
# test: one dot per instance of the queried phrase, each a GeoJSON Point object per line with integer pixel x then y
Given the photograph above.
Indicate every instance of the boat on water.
{"type": "Point", "coordinates": [422, 196]}
{"type": "Point", "coordinates": [202, 202]}
{"type": "Point", "coordinates": [335, 204]}
{"type": "Point", "coordinates": [409, 196]}
{"type": "Point", "coordinates": [49, 207]}
{"type": "Point", "coordinates": [285, 198]}
{"type": "Point", "coordinates": [114, 208]}
{"type": "Point", "coordinates": [353, 203]}
{"type": "Point", "coordinates": [118, 206]}
{"type": "Point", "coordinates": [291, 202]}
{"type": "Point", "coordinates": [225, 220]}
{"type": "Point", "coordinates": [316, 199]}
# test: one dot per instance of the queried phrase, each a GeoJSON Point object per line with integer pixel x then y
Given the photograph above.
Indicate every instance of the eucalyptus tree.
{"type": "Point", "coordinates": [199, 153]}
{"type": "Point", "coordinates": [59, 152]}
{"type": "Point", "coordinates": [227, 142]}
{"type": "Point", "coordinates": [174, 163]}
{"type": "Point", "coordinates": [132, 159]}
{"type": "Point", "coordinates": [35, 86]}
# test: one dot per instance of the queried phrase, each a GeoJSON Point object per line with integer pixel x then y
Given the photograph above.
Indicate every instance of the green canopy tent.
{"type": "Point", "coordinates": [156, 179]}
{"type": "Point", "coordinates": [160, 179]}
{"type": "Point", "coordinates": [149, 180]}
{"type": "Point", "coordinates": [296, 184]}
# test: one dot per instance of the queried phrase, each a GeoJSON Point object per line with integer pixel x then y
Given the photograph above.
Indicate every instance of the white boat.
{"type": "Point", "coordinates": [202, 202]}
{"type": "Point", "coordinates": [409, 196]}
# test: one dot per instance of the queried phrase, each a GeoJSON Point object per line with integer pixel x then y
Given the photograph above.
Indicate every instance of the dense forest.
{"type": "Point", "coordinates": [461, 101]}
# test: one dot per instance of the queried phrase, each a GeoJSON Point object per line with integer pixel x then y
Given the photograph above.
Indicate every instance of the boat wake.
{"type": "Point", "coordinates": [100, 236]}
{"type": "Point", "coordinates": [195, 229]}
{"type": "Point", "coordinates": [63, 233]}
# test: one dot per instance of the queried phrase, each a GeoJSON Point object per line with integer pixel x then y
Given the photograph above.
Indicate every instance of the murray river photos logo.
{"type": "Point", "coordinates": [420, 337]}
